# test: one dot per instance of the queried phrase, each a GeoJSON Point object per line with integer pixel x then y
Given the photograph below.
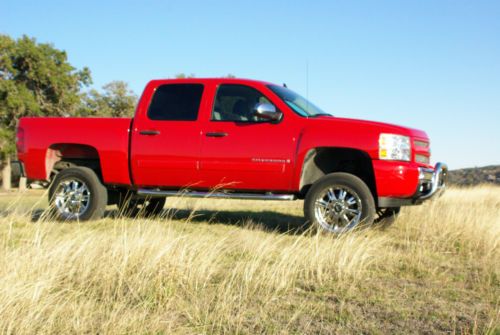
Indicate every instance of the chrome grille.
{"type": "Point", "coordinates": [421, 144]}
{"type": "Point", "coordinates": [423, 159]}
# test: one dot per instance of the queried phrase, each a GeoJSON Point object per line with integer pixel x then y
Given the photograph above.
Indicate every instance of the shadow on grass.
{"type": "Point", "coordinates": [267, 220]}
{"type": "Point", "coordinates": [44, 214]}
{"type": "Point", "coordinates": [38, 214]}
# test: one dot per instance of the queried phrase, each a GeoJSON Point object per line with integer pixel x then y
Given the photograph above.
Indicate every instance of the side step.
{"type": "Point", "coordinates": [218, 195]}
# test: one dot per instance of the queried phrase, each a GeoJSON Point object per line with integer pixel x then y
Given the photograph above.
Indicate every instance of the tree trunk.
{"type": "Point", "coordinates": [6, 175]}
{"type": "Point", "coordinates": [22, 184]}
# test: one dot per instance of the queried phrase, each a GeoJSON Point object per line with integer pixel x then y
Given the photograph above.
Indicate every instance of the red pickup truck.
{"type": "Point", "coordinates": [229, 138]}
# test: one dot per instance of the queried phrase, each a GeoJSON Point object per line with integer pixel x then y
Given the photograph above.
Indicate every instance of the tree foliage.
{"type": "Point", "coordinates": [35, 79]}
{"type": "Point", "coordinates": [182, 75]}
{"type": "Point", "coordinates": [117, 100]}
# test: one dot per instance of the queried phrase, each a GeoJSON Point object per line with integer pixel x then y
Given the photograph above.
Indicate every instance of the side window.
{"type": "Point", "coordinates": [176, 102]}
{"type": "Point", "coordinates": [236, 103]}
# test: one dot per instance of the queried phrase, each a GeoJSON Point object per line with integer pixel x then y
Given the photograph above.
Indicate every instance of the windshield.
{"type": "Point", "coordinates": [298, 104]}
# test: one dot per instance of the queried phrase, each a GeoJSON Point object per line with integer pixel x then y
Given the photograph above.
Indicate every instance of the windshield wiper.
{"type": "Point", "coordinates": [321, 114]}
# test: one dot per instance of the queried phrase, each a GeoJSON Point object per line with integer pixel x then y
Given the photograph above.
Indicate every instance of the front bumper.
{"type": "Point", "coordinates": [431, 183]}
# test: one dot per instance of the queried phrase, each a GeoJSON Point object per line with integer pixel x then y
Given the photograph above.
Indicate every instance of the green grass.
{"type": "Point", "coordinates": [228, 266]}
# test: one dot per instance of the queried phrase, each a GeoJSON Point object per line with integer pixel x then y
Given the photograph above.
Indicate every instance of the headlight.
{"type": "Point", "coordinates": [394, 147]}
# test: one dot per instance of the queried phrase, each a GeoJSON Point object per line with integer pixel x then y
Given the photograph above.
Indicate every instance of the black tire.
{"type": "Point", "coordinates": [97, 195]}
{"type": "Point", "coordinates": [387, 216]}
{"type": "Point", "coordinates": [318, 211]}
{"type": "Point", "coordinates": [145, 207]}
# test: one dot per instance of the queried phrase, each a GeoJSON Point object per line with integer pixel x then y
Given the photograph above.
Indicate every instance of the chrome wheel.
{"type": "Point", "coordinates": [72, 198]}
{"type": "Point", "coordinates": [338, 208]}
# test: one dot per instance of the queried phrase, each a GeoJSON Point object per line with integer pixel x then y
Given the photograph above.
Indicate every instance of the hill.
{"type": "Point", "coordinates": [475, 176]}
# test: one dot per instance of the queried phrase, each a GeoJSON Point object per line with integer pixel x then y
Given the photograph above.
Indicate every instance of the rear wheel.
{"type": "Point", "coordinates": [339, 202]}
{"type": "Point", "coordinates": [78, 194]}
{"type": "Point", "coordinates": [147, 207]}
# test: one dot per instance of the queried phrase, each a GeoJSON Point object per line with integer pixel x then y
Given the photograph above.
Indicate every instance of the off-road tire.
{"type": "Point", "coordinates": [342, 180]}
{"type": "Point", "coordinates": [98, 195]}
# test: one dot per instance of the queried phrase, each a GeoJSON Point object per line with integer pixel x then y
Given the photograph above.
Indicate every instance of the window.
{"type": "Point", "coordinates": [236, 103]}
{"type": "Point", "coordinates": [176, 102]}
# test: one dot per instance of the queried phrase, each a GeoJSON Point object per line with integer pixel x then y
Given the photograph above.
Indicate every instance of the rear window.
{"type": "Point", "coordinates": [176, 102]}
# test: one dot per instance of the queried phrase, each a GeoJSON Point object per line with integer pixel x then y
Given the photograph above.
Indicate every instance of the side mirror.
{"type": "Point", "coordinates": [267, 111]}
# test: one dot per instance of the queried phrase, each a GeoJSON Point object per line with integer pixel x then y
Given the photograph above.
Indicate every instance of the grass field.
{"type": "Point", "coordinates": [249, 267]}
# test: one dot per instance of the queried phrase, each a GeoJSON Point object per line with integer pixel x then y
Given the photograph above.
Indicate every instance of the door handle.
{"type": "Point", "coordinates": [150, 132]}
{"type": "Point", "coordinates": [216, 134]}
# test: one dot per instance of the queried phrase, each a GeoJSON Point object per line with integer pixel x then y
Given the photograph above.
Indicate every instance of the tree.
{"type": "Point", "coordinates": [184, 76]}
{"type": "Point", "coordinates": [192, 75]}
{"type": "Point", "coordinates": [118, 100]}
{"type": "Point", "coordinates": [35, 79]}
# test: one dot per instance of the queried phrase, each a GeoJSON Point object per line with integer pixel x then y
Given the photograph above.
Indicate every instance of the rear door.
{"type": "Point", "coordinates": [166, 137]}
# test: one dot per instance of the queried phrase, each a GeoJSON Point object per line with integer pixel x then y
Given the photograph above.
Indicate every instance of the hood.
{"type": "Point", "coordinates": [381, 127]}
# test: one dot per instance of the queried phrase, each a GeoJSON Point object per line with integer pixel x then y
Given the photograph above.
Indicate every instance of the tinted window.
{"type": "Point", "coordinates": [176, 102]}
{"type": "Point", "coordinates": [236, 103]}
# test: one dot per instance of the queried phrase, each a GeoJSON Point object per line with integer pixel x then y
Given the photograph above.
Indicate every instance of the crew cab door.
{"type": "Point", "coordinates": [239, 151]}
{"type": "Point", "coordinates": [166, 138]}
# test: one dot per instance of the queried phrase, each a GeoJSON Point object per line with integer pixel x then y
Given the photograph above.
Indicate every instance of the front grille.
{"type": "Point", "coordinates": [421, 144]}
{"type": "Point", "coordinates": [422, 159]}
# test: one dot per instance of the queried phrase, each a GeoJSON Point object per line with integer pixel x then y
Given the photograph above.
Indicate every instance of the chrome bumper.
{"type": "Point", "coordinates": [431, 181]}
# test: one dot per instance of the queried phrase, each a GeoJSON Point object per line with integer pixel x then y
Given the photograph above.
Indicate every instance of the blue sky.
{"type": "Point", "coordinates": [433, 65]}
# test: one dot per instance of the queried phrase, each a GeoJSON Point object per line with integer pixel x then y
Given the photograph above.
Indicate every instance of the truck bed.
{"type": "Point", "coordinates": [106, 139]}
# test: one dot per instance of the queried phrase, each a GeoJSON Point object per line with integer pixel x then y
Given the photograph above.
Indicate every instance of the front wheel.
{"type": "Point", "coordinates": [339, 202]}
{"type": "Point", "coordinates": [78, 194]}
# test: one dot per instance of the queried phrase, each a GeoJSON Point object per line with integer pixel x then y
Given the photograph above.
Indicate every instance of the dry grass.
{"type": "Point", "coordinates": [221, 266]}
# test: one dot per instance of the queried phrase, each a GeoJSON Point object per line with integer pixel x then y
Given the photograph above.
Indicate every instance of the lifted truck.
{"type": "Point", "coordinates": [229, 138]}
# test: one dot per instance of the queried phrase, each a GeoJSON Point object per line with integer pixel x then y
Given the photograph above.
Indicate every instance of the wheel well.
{"type": "Point", "coordinates": [322, 161]}
{"type": "Point", "coordinates": [61, 156]}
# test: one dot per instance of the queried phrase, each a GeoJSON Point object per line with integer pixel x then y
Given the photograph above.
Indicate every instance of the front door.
{"type": "Point", "coordinates": [242, 152]}
{"type": "Point", "coordinates": [166, 140]}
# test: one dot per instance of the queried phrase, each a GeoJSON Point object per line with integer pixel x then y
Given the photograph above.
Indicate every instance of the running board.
{"type": "Point", "coordinates": [218, 195]}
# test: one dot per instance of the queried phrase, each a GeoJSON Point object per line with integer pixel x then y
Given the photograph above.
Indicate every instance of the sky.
{"type": "Point", "coordinates": [427, 64]}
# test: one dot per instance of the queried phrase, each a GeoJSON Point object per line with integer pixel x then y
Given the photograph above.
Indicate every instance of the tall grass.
{"type": "Point", "coordinates": [184, 274]}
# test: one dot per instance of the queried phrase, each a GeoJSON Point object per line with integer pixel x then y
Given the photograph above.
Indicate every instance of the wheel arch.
{"type": "Point", "coordinates": [321, 161]}
{"type": "Point", "coordinates": [60, 156]}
